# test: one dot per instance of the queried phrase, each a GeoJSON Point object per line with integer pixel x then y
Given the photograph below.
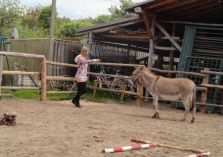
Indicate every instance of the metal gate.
{"type": "Point", "coordinates": [203, 48]}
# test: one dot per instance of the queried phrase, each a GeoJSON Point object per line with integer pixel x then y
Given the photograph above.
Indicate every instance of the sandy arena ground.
{"type": "Point", "coordinates": [57, 129]}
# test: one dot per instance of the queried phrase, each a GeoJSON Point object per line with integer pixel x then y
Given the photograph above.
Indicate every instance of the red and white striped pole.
{"type": "Point", "coordinates": [200, 154]}
{"type": "Point", "coordinates": [139, 140]}
{"type": "Point", "coordinates": [126, 148]}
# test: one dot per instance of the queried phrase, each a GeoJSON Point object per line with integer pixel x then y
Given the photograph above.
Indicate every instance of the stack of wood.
{"type": "Point", "coordinates": [9, 118]}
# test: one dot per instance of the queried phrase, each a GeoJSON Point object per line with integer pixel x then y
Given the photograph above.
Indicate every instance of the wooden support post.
{"type": "Point", "coordinates": [222, 101]}
{"type": "Point", "coordinates": [43, 80]}
{"type": "Point", "coordinates": [172, 52]}
{"type": "Point", "coordinates": [147, 24]}
{"type": "Point", "coordinates": [1, 69]}
{"type": "Point", "coordinates": [151, 43]}
{"type": "Point", "coordinates": [90, 38]}
{"type": "Point", "coordinates": [139, 99]}
{"type": "Point", "coordinates": [123, 88]}
{"type": "Point", "coordinates": [204, 93]}
{"type": "Point", "coordinates": [151, 33]}
{"type": "Point", "coordinates": [150, 28]}
{"type": "Point", "coordinates": [95, 86]}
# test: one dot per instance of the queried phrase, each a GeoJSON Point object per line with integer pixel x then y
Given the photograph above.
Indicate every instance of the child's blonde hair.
{"type": "Point", "coordinates": [84, 51]}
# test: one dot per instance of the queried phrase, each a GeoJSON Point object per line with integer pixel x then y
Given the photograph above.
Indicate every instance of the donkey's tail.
{"type": "Point", "coordinates": [193, 105]}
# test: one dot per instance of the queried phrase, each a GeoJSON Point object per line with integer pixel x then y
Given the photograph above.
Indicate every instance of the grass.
{"type": "Point", "coordinates": [34, 95]}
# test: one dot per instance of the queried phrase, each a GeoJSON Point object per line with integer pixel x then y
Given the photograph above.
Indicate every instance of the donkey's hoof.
{"type": "Point", "coordinates": [156, 116]}
{"type": "Point", "coordinates": [183, 120]}
{"type": "Point", "coordinates": [192, 120]}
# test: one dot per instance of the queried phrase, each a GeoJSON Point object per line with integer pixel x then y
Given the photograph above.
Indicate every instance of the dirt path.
{"type": "Point", "coordinates": [57, 129]}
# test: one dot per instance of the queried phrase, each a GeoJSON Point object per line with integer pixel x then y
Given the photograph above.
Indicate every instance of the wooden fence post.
{"type": "Point", "coordinates": [204, 93]}
{"type": "Point", "coordinates": [1, 69]}
{"type": "Point", "coordinates": [43, 74]}
{"type": "Point", "coordinates": [139, 99]}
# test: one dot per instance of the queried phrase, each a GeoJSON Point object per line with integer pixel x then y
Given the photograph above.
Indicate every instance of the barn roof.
{"type": "Point", "coordinates": [132, 30]}
{"type": "Point", "coordinates": [184, 10]}
{"type": "Point", "coordinates": [206, 11]}
{"type": "Point", "coordinates": [121, 22]}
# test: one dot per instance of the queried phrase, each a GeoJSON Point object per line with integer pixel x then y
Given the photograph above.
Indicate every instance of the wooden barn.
{"type": "Point", "coordinates": [185, 35]}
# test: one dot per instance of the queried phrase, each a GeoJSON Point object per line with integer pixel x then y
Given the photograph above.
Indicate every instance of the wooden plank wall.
{"type": "Point", "coordinates": [109, 52]}
{"type": "Point", "coordinates": [64, 51]}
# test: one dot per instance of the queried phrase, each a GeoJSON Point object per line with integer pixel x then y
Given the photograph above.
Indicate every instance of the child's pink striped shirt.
{"type": "Point", "coordinates": [82, 62]}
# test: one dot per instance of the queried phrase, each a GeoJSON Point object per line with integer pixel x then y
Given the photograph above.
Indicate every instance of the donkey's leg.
{"type": "Point", "coordinates": [193, 113]}
{"type": "Point", "coordinates": [193, 105]}
{"type": "Point", "coordinates": [156, 105]}
{"type": "Point", "coordinates": [186, 103]}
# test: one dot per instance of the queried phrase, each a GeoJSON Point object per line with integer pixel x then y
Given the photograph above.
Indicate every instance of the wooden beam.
{"type": "Point", "coordinates": [165, 48]}
{"type": "Point", "coordinates": [20, 73]}
{"type": "Point", "coordinates": [178, 72]}
{"type": "Point", "coordinates": [147, 24]}
{"type": "Point", "coordinates": [110, 75]}
{"type": "Point", "coordinates": [173, 37]}
{"type": "Point", "coordinates": [151, 42]}
{"type": "Point", "coordinates": [18, 54]}
{"type": "Point", "coordinates": [17, 88]}
{"type": "Point", "coordinates": [6, 95]}
{"type": "Point", "coordinates": [139, 100]}
{"type": "Point", "coordinates": [90, 39]}
{"type": "Point", "coordinates": [172, 51]}
{"type": "Point", "coordinates": [204, 94]}
{"type": "Point", "coordinates": [118, 64]}
{"type": "Point", "coordinates": [211, 72]}
{"type": "Point", "coordinates": [61, 64]}
{"type": "Point", "coordinates": [43, 79]}
{"type": "Point", "coordinates": [141, 38]}
{"type": "Point", "coordinates": [133, 47]}
{"type": "Point", "coordinates": [175, 5]}
{"type": "Point", "coordinates": [59, 78]}
{"type": "Point", "coordinates": [211, 86]}
{"type": "Point", "coordinates": [212, 105]}
{"type": "Point", "coordinates": [168, 36]}
{"type": "Point", "coordinates": [192, 23]}
{"type": "Point", "coordinates": [158, 4]}
{"type": "Point", "coordinates": [61, 92]}
{"type": "Point", "coordinates": [114, 90]}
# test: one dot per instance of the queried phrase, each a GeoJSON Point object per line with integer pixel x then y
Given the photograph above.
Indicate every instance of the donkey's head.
{"type": "Point", "coordinates": [137, 74]}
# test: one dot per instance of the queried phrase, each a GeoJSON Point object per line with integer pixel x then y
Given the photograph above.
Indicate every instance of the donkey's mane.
{"type": "Point", "coordinates": [149, 71]}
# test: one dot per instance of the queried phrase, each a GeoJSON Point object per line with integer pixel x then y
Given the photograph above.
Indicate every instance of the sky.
{"type": "Point", "coordinates": [77, 9]}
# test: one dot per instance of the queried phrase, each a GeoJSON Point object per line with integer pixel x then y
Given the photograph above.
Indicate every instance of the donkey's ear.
{"type": "Point", "coordinates": [141, 68]}
{"type": "Point", "coordinates": [140, 79]}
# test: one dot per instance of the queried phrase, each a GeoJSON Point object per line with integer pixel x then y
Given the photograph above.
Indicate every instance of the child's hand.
{"type": "Point", "coordinates": [97, 60]}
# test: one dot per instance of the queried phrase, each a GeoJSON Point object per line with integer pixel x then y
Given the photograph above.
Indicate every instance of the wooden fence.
{"type": "Point", "coordinates": [42, 75]}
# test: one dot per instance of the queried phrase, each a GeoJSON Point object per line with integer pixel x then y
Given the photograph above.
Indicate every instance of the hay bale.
{"type": "Point", "coordinates": [9, 118]}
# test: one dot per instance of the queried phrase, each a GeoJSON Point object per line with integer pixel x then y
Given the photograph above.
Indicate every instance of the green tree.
{"type": "Point", "coordinates": [69, 29]}
{"type": "Point", "coordinates": [31, 17]}
{"type": "Point", "coordinates": [118, 12]}
{"type": "Point", "coordinates": [102, 19]}
{"type": "Point", "coordinates": [9, 13]}
{"type": "Point", "coordinates": [44, 17]}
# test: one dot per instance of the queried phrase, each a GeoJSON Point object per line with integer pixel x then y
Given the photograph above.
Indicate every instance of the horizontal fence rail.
{"type": "Point", "coordinates": [24, 55]}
